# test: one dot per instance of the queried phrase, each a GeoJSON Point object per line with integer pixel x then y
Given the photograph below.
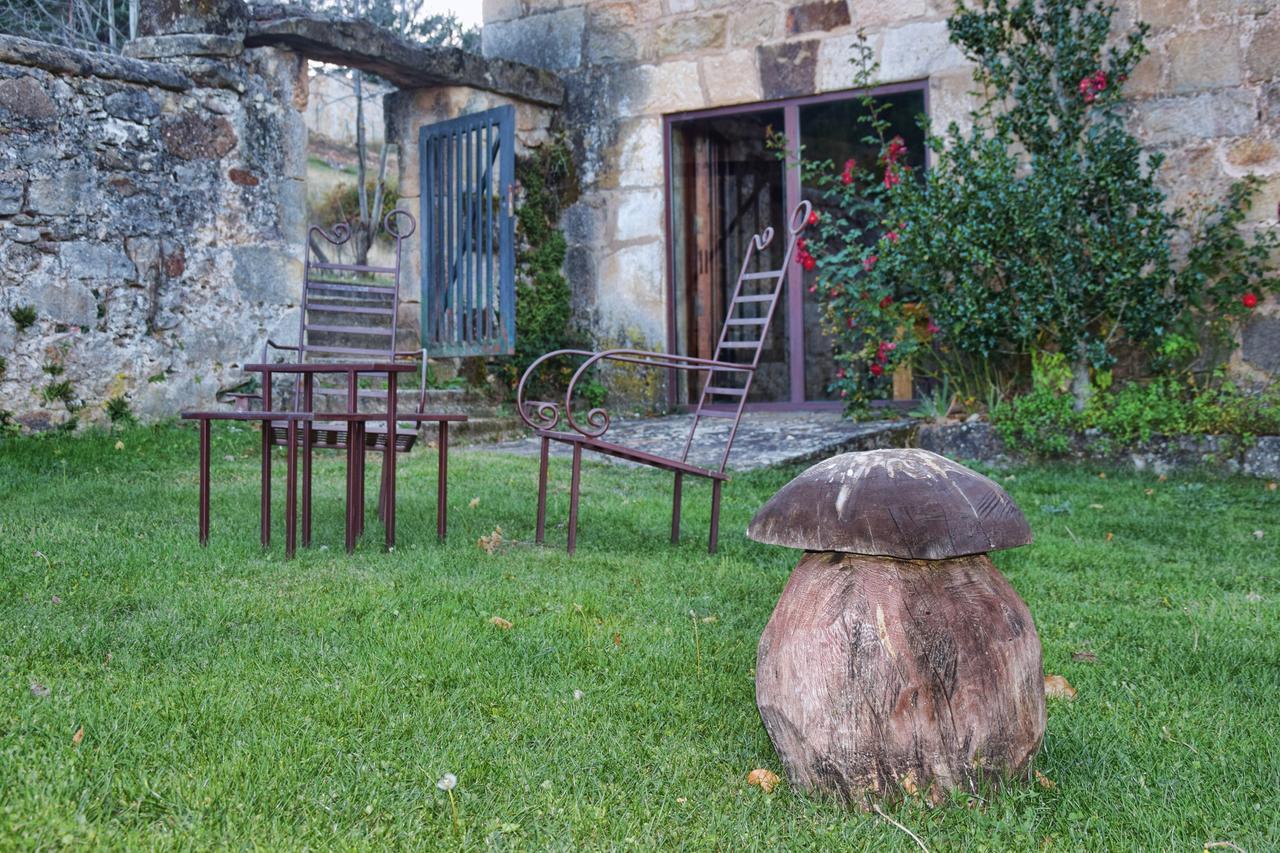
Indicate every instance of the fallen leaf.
{"type": "Point", "coordinates": [617, 639]}
{"type": "Point", "coordinates": [107, 660]}
{"type": "Point", "coordinates": [491, 542]}
{"type": "Point", "coordinates": [1162, 478]}
{"type": "Point", "coordinates": [1110, 536]}
{"type": "Point", "coordinates": [909, 783]}
{"type": "Point", "coordinates": [1102, 475]}
{"type": "Point", "coordinates": [1045, 782]}
{"type": "Point", "coordinates": [1252, 598]}
{"type": "Point", "coordinates": [38, 689]}
{"type": "Point", "coordinates": [767, 780]}
{"type": "Point", "coordinates": [1057, 687]}
{"type": "Point", "coordinates": [1084, 657]}
{"type": "Point", "coordinates": [709, 619]}
{"type": "Point", "coordinates": [500, 622]}
{"type": "Point", "coordinates": [56, 599]}
{"type": "Point", "coordinates": [1258, 534]}
{"type": "Point", "coordinates": [78, 736]}
{"type": "Point", "coordinates": [119, 445]}
{"type": "Point", "coordinates": [1271, 487]}
{"type": "Point", "coordinates": [682, 800]}
{"type": "Point", "coordinates": [577, 695]}
{"type": "Point", "coordinates": [1148, 492]}
{"type": "Point", "coordinates": [474, 502]}
{"type": "Point", "coordinates": [229, 458]}
{"type": "Point", "coordinates": [1096, 506]}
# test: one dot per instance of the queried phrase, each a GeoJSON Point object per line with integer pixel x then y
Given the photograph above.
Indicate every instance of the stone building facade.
{"type": "Point", "coordinates": [1208, 96]}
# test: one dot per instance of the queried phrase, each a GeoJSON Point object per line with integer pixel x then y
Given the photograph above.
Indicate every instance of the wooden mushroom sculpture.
{"type": "Point", "coordinates": [898, 658]}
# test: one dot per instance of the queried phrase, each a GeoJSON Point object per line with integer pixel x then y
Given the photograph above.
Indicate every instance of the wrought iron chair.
{"type": "Point", "coordinates": [349, 313]}
{"type": "Point", "coordinates": [749, 314]}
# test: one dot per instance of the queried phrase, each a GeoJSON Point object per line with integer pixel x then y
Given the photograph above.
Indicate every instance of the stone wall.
{"type": "Point", "coordinates": [1209, 96]}
{"type": "Point", "coordinates": [152, 215]}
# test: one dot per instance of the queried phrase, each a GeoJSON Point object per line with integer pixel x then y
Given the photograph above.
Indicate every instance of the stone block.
{"type": "Point", "coordinates": [1260, 343]}
{"type": "Point", "coordinates": [1145, 79]}
{"type": "Point", "coordinates": [914, 51]}
{"type": "Point", "coordinates": [193, 137]}
{"type": "Point", "coordinates": [184, 44]}
{"type": "Point", "coordinates": [1266, 204]}
{"type": "Point", "coordinates": [631, 292]}
{"type": "Point", "coordinates": [1162, 14]}
{"type": "Point", "coordinates": [657, 89]}
{"type": "Point", "coordinates": [731, 78]}
{"type": "Point", "coordinates": [163, 17]}
{"type": "Point", "coordinates": [551, 40]}
{"type": "Point", "coordinates": [1171, 120]}
{"type": "Point", "coordinates": [1263, 458]}
{"type": "Point", "coordinates": [1263, 58]}
{"type": "Point", "coordinates": [1253, 154]}
{"type": "Point", "coordinates": [1234, 8]}
{"type": "Point", "coordinates": [83, 259]}
{"type": "Point", "coordinates": [788, 69]}
{"type": "Point", "coordinates": [266, 275]}
{"type": "Point", "coordinates": [131, 105]}
{"type": "Point", "coordinates": [25, 97]}
{"type": "Point", "coordinates": [10, 197]}
{"type": "Point", "coordinates": [494, 11]}
{"type": "Point", "coordinates": [638, 216]}
{"type": "Point", "coordinates": [835, 68]}
{"type": "Point", "coordinates": [820, 16]}
{"type": "Point", "coordinates": [68, 302]}
{"type": "Point", "coordinates": [688, 35]}
{"type": "Point", "coordinates": [639, 155]}
{"type": "Point", "coordinates": [1204, 59]}
{"type": "Point", "coordinates": [752, 30]}
{"type": "Point", "coordinates": [877, 14]}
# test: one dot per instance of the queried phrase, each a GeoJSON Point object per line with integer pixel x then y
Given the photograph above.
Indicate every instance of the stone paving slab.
{"type": "Point", "coordinates": [765, 439]}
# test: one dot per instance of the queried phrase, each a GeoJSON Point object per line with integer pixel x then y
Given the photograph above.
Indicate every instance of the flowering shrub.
{"type": "Point", "coordinates": [1040, 229]}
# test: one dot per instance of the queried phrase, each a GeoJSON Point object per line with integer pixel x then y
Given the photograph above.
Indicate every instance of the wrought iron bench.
{"type": "Point", "coordinates": [349, 315]}
{"type": "Point", "coordinates": [748, 316]}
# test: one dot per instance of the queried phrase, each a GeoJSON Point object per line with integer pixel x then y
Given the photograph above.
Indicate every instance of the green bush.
{"type": "Point", "coordinates": [23, 316]}
{"type": "Point", "coordinates": [1041, 228]}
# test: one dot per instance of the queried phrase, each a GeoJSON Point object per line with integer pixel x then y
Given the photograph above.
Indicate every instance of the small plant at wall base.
{"type": "Point", "coordinates": [23, 316]}
{"type": "Point", "coordinates": [1040, 229]}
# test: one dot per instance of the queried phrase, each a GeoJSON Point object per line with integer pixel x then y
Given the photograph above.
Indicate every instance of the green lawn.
{"type": "Point", "coordinates": [228, 697]}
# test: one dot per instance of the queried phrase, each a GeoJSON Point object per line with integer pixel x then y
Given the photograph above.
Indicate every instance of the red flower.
{"type": "Point", "coordinates": [869, 262]}
{"type": "Point", "coordinates": [892, 236]}
{"type": "Point", "coordinates": [933, 327]}
{"type": "Point", "coordinates": [840, 373]}
{"type": "Point", "coordinates": [1249, 300]}
{"type": "Point", "coordinates": [877, 370]}
{"type": "Point", "coordinates": [1091, 85]}
{"type": "Point", "coordinates": [813, 288]}
{"type": "Point", "coordinates": [891, 178]}
{"type": "Point", "coordinates": [801, 243]}
{"type": "Point", "coordinates": [846, 177]}
{"type": "Point", "coordinates": [813, 217]}
{"type": "Point", "coordinates": [897, 148]}
{"type": "Point", "coordinates": [808, 263]}
{"type": "Point", "coordinates": [886, 302]}
{"type": "Point", "coordinates": [850, 322]}
{"type": "Point", "coordinates": [1099, 81]}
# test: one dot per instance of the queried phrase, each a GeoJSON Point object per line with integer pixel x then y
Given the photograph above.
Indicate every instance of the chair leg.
{"type": "Point", "coordinates": [306, 485]}
{"type": "Point", "coordinates": [204, 481]}
{"type": "Point", "coordinates": [541, 532]}
{"type": "Point", "coordinates": [574, 484]}
{"type": "Point", "coordinates": [389, 493]}
{"type": "Point", "coordinates": [715, 516]}
{"type": "Point", "coordinates": [350, 529]}
{"type": "Point", "coordinates": [675, 508]}
{"type": "Point", "coordinates": [442, 480]}
{"type": "Point", "coordinates": [362, 458]}
{"type": "Point", "coordinates": [265, 509]}
{"type": "Point", "coordinates": [291, 492]}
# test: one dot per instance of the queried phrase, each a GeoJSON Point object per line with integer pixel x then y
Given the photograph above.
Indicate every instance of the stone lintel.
{"type": "Point", "coordinates": [360, 44]}
{"type": "Point", "coordinates": [66, 60]}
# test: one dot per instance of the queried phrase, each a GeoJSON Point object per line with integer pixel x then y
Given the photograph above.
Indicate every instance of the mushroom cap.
{"type": "Point", "coordinates": [911, 504]}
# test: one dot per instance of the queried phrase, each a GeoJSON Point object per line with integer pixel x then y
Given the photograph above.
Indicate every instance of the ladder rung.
{"type": "Point", "coordinates": [348, 287]}
{"type": "Point", "coordinates": [739, 344]}
{"type": "Point", "coordinates": [349, 309]}
{"type": "Point", "coordinates": [718, 413]}
{"type": "Point", "coordinates": [350, 330]}
{"type": "Point", "coordinates": [381, 353]}
{"type": "Point", "coordinates": [762, 297]}
{"type": "Point", "coordinates": [746, 321]}
{"type": "Point", "coordinates": [360, 268]}
{"type": "Point", "coordinates": [756, 276]}
{"type": "Point", "coordinates": [717, 389]}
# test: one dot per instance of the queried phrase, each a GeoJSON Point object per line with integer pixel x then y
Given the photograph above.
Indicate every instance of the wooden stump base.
{"type": "Point", "coordinates": [877, 677]}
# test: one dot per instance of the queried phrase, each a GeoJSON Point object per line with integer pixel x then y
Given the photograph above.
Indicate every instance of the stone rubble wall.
{"type": "Point", "coordinates": [1209, 96]}
{"type": "Point", "coordinates": [154, 219]}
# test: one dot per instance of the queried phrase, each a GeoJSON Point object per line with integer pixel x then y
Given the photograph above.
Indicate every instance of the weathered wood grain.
{"type": "Point", "coordinates": [876, 675]}
{"type": "Point", "coordinates": [911, 504]}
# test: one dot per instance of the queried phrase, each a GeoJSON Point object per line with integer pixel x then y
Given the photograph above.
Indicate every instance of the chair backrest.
{"type": "Point", "coordinates": [350, 311]}
{"type": "Point", "coordinates": [746, 327]}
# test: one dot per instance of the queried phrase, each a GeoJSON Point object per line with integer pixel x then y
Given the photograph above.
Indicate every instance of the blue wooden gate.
{"type": "Point", "coordinates": [467, 168]}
